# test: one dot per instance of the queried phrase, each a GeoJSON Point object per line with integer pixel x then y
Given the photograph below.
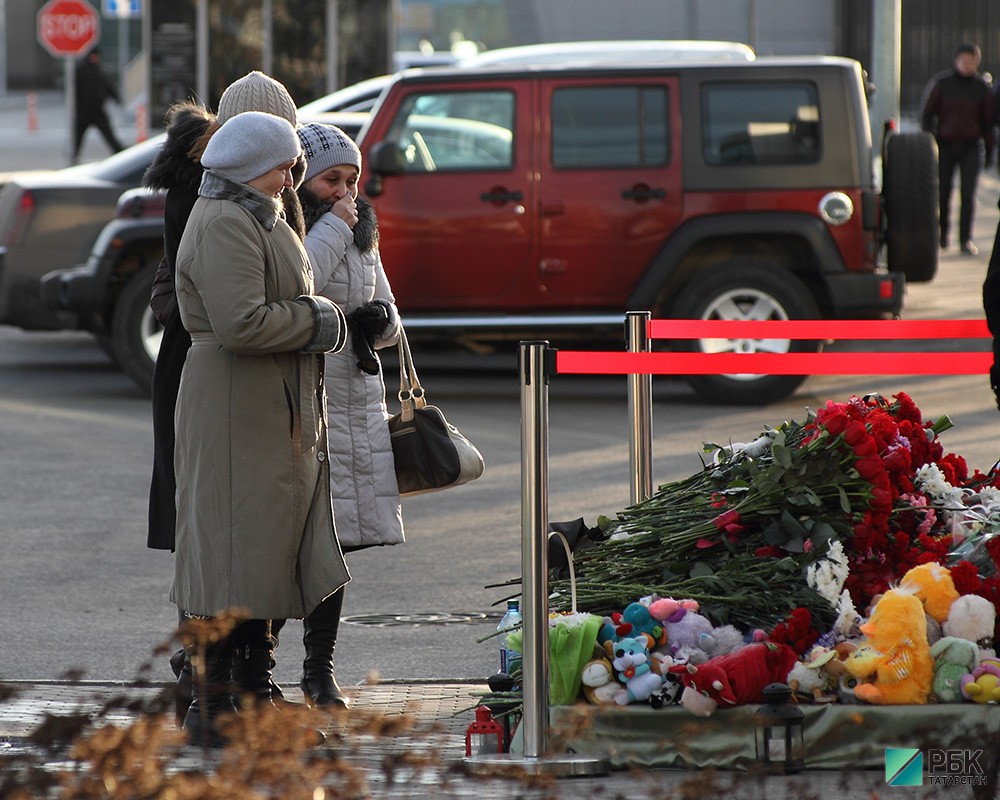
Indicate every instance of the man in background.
{"type": "Point", "coordinates": [92, 88]}
{"type": "Point", "coordinates": [958, 110]}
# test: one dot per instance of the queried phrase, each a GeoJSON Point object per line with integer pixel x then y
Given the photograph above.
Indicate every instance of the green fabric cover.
{"type": "Point", "coordinates": [836, 736]}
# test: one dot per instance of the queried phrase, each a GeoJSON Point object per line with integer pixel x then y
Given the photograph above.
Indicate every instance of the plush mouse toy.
{"type": "Point", "coordinates": [735, 678]}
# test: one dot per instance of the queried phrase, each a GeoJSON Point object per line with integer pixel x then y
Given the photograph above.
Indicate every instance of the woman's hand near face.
{"type": "Point", "coordinates": [347, 209]}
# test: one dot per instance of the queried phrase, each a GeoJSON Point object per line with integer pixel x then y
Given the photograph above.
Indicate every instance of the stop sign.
{"type": "Point", "coordinates": [68, 27]}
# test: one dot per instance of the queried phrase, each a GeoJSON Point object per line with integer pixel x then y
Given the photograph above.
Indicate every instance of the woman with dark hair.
{"type": "Point", "coordinates": [177, 169]}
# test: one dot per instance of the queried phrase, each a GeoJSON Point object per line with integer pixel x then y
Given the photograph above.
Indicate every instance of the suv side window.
{"type": "Point", "coordinates": [616, 126]}
{"type": "Point", "coordinates": [775, 123]}
{"type": "Point", "coordinates": [456, 131]}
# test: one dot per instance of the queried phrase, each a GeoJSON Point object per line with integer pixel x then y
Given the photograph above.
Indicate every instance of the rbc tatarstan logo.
{"type": "Point", "coordinates": [904, 766]}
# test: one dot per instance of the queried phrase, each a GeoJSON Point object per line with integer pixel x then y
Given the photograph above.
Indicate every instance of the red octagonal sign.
{"type": "Point", "coordinates": [68, 27]}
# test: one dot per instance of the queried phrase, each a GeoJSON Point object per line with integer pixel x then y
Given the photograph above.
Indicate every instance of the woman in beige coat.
{"type": "Point", "coordinates": [254, 520]}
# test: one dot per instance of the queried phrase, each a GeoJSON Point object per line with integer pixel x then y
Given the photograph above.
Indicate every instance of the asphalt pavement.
{"type": "Point", "coordinates": [34, 135]}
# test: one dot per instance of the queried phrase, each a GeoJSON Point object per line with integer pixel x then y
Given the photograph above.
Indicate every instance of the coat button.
{"type": "Point", "coordinates": [321, 455]}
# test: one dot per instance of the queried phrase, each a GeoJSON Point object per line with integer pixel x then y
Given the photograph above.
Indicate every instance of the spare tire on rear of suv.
{"type": "Point", "coordinates": [910, 193]}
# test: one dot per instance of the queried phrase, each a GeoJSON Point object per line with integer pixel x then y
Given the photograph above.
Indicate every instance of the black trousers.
{"type": "Point", "coordinates": [100, 121]}
{"type": "Point", "coordinates": [967, 157]}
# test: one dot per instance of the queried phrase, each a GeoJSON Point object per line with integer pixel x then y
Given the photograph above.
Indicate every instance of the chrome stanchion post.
{"type": "Point", "coordinates": [534, 545]}
{"type": "Point", "coordinates": [536, 362]}
{"type": "Point", "coordinates": [640, 410]}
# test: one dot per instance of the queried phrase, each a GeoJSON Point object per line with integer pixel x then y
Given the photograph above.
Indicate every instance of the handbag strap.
{"type": "Point", "coordinates": [572, 568]}
{"type": "Point", "coordinates": [411, 393]}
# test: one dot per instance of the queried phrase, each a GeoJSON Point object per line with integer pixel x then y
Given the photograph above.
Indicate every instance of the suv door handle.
{"type": "Point", "coordinates": [499, 195]}
{"type": "Point", "coordinates": [642, 192]}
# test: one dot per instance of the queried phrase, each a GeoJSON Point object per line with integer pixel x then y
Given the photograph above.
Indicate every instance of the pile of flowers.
{"type": "Point", "coordinates": [769, 533]}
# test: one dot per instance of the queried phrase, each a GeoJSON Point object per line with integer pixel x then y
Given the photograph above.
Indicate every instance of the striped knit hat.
{"type": "Point", "coordinates": [326, 146]}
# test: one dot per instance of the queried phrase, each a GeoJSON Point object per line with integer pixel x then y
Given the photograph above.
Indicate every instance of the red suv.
{"type": "Point", "coordinates": [551, 200]}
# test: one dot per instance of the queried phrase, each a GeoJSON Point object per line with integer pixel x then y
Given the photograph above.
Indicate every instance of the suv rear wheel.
{"type": "Point", "coordinates": [745, 290]}
{"type": "Point", "coordinates": [134, 329]}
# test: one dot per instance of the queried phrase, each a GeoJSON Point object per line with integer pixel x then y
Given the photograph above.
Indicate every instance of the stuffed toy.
{"type": "Point", "coordinates": [982, 685]}
{"type": "Point", "coordinates": [666, 609]}
{"type": "Point", "coordinates": [721, 640]}
{"type": "Point", "coordinates": [735, 678]}
{"type": "Point", "coordinates": [974, 618]}
{"type": "Point", "coordinates": [904, 670]}
{"type": "Point", "coordinates": [953, 658]}
{"type": "Point", "coordinates": [818, 678]}
{"type": "Point", "coordinates": [631, 664]}
{"type": "Point", "coordinates": [641, 623]}
{"type": "Point", "coordinates": [933, 586]}
{"type": "Point", "coordinates": [670, 690]}
{"type": "Point", "coordinates": [684, 636]}
{"type": "Point", "coordinates": [598, 680]}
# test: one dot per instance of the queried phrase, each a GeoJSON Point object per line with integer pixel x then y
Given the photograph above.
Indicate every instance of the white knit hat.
{"type": "Point", "coordinates": [250, 144]}
{"type": "Point", "coordinates": [326, 146]}
{"type": "Point", "coordinates": [256, 91]}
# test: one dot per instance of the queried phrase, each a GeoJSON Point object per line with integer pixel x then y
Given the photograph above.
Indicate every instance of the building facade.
{"type": "Point", "coordinates": [315, 46]}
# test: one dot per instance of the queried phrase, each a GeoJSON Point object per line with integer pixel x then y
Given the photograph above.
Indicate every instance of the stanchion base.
{"type": "Point", "coordinates": [560, 765]}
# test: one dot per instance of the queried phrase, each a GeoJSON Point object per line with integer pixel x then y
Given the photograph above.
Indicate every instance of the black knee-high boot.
{"type": "Point", "coordinates": [253, 659]}
{"type": "Point", "coordinates": [211, 694]}
{"type": "Point", "coordinates": [319, 635]}
{"type": "Point", "coordinates": [180, 665]}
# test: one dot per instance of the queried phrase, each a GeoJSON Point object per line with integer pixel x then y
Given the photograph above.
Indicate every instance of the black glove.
{"type": "Point", "coordinates": [366, 323]}
{"type": "Point", "coordinates": [372, 318]}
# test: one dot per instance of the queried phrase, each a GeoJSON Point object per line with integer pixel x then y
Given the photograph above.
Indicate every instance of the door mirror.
{"type": "Point", "coordinates": [385, 158]}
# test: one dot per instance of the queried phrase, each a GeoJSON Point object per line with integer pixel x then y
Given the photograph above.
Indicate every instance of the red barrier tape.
{"type": "Point", "coordinates": [818, 329]}
{"type": "Point", "coordinates": [579, 362]}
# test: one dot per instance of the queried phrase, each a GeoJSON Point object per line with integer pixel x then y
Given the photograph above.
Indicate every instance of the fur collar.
{"type": "Point", "coordinates": [265, 210]}
{"type": "Point", "coordinates": [365, 232]}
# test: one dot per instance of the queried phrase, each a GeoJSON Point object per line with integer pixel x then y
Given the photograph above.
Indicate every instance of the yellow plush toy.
{"type": "Point", "coordinates": [933, 585]}
{"type": "Point", "coordinates": [903, 668]}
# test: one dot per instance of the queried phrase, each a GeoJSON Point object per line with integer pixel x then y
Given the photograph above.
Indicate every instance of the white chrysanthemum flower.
{"type": "Point", "coordinates": [758, 447]}
{"type": "Point", "coordinates": [990, 497]}
{"type": "Point", "coordinates": [828, 576]}
{"type": "Point", "coordinates": [931, 480]}
{"type": "Point", "coordinates": [847, 616]}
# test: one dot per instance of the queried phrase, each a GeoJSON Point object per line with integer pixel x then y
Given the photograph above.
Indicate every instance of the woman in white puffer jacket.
{"type": "Point", "coordinates": [342, 243]}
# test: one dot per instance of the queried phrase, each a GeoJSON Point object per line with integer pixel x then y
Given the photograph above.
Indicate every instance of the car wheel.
{"type": "Point", "coordinates": [744, 290]}
{"type": "Point", "coordinates": [134, 329]}
{"type": "Point", "coordinates": [910, 190]}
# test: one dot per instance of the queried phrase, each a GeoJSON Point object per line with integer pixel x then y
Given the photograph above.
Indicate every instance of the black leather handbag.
{"type": "Point", "coordinates": [430, 453]}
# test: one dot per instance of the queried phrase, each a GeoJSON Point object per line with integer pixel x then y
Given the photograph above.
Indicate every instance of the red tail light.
{"type": "Point", "coordinates": [25, 208]}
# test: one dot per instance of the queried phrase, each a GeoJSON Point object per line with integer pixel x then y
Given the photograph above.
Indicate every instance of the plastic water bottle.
{"type": "Point", "coordinates": [512, 619]}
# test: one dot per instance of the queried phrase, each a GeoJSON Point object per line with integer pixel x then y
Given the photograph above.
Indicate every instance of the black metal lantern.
{"type": "Point", "coordinates": [778, 732]}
